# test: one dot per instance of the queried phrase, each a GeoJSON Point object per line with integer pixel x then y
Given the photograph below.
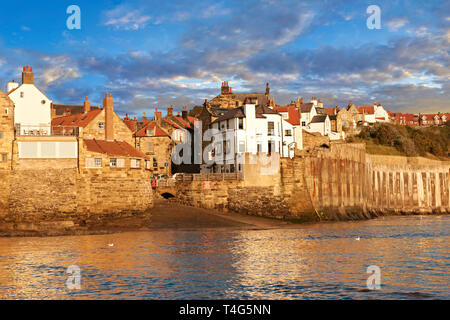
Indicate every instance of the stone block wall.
{"type": "Point", "coordinates": [337, 183]}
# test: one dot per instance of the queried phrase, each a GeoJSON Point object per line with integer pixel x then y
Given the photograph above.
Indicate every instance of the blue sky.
{"type": "Point", "coordinates": [155, 53]}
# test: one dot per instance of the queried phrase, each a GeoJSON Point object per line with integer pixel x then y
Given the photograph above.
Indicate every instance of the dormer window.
{"type": "Point", "coordinates": [149, 132]}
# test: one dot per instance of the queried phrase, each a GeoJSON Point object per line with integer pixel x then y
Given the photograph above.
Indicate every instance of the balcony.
{"type": "Point", "coordinates": [44, 130]}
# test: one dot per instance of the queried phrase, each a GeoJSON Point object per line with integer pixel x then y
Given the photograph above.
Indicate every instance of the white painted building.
{"type": "Point", "coordinates": [248, 129]}
{"type": "Point", "coordinates": [320, 123]}
{"type": "Point", "coordinates": [375, 113]}
{"type": "Point", "coordinates": [32, 112]}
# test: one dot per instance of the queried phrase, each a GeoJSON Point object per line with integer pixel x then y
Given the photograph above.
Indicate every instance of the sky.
{"type": "Point", "coordinates": [151, 54]}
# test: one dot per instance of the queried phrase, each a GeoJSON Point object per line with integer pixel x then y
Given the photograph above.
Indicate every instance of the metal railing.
{"type": "Point", "coordinates": [210, 176]}
{"type": "Point", "coordinates": [44, 130]}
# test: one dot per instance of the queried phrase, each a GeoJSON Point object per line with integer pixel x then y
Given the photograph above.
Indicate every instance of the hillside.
{"type": "Point", "coordinates": [390, 139]}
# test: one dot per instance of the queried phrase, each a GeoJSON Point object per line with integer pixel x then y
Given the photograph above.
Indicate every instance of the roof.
{"type": "Point", "coordinates": [113, 148]}
{"type": "Point", "coordinates": [329, 111]}
{"type": "Point", "coordinates": [76, 120]}
{"type": "Point", "coordinates": [157, 131]}
{"type": "Point", "coordinates": [366, 109]}
{"type": "Point", "coordinates": [60, 109]}
{"type": "Point", "coordinates": [319, 118]}
{"type": "Point", "coordinates": [306, 107]}
{"type": "Point", "coordinates": [293, 114]}
{"type": "Point", "coordinates": [262, 109]}
{"type": "Point", "coordinates": [231, 114]}
{"type": "Point", "coordinates": [333, 117]}
{"type": "Point", "coordinates": [261, 97]}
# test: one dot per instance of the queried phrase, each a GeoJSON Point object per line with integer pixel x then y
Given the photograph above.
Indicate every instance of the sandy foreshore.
{"type": "Point", "coordinates": [166, 214]}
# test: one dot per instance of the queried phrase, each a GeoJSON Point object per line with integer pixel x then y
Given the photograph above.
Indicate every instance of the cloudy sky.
{"type": "Point", "coordinates": [155, 53]}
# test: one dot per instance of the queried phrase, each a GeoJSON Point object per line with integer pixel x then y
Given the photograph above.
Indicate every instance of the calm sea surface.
{"type": "Point", "coordinates": [311, 262]}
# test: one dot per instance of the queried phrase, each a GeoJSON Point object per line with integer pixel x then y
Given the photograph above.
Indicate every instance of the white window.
{"type": "Point", "coordinates": [93, 162]}
{"type": "Point", "coordinates": [241, 146]}
{"type": "Point", "coordinates": [149, 132]}
{"type": "Point", "coordinates": [147, 164]}
{"type": "Point", "coordinates": [135, 163]}
{"type": "Point", "coordinates": [101, 125]}
{"type": "Point", "coordinates": [150, 147]}
{"type": "Point", "coordinates": [98, 162]}
{"type": "Point", "coordinates": [113, 162]}
{"type": "Point", "coordinates": [120, 163]}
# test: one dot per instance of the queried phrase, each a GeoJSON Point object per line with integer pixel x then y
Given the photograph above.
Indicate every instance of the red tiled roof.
{"type": "Point", "coordinates": [114, 148]}
{"type": "Point", "coordinates": [158, 132]}
{"type": "Point", "coordinates": [329, 111]}
{"type": "Point", "coordinates": [76, 120]}
{"type": "Point", "coordinates": [293, 114]}
{"type": "Point", "coordinates": [173, 124]}
{"type": "Point", "coordinates": [366, 109]}
{"type": "Point", "coordinates": [183, 122]}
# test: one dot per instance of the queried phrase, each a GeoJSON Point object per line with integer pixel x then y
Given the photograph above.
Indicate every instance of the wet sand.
{"type": "Point", "coordinates": [168, 214]}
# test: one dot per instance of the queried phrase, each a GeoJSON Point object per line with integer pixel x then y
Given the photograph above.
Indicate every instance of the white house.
{"type": "Point", "coordinates": [249, 129]}
{"type": "Point", "coordinates": [375, 113]}
{"type": "Point", "coordinates": [308, 111]}
{"type": "Point", "coordinates": [32, 112]}
{"type": "Point", "coordinates": [320, 123]}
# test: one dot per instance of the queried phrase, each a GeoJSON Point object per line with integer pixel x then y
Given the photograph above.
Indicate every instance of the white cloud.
{"type": "Point", "coordinates": [25, 28]}
{"type": "Point", "coordinates": [124, 18]}
{"type": "Point", "coordinates": [396, 24]}
{"type": "Point", "coordinates": [58, 69]}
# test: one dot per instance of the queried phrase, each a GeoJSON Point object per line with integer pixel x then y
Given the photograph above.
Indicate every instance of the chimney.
{"type": "Point", "coordinates": [87, 105]}
{"type": "Point", "coordinates": [108, 106]}
{"type": "Point", "coordinates": [184, 113]}
{"type": "Point", "coordinates": [157, 116]}
{"type": "Point", "coordinates": [53, 111]}
{"type": "Point", "coordinates": [27, 75]}
{"type": "Point", "coordinates": [11, 86]}
{"type": "Point", "coordinates": [144, 117]}
{"type": "Point", "coordinates": [267, 90]}
{"type": "Point", "coordinates": [170, 111]}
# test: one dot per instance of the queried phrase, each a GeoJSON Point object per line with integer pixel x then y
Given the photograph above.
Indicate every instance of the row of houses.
{"type": "Point", "coordinates": [91, 137]}
{"type": "Point", "coordinates": [243, 123]}
{"type": "Point", "coordinates": [419, 120]}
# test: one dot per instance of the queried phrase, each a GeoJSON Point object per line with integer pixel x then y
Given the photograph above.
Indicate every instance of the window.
{"type": "Point", "coordinates": [303, 124]}
{"type": "Point", "coordinates": [113, 162]}
{"type": "Point", "coordinates": [270, 147]}
{"type": "Point", "coordinates": [150, 147]}
{"type": "Point", "coordinates": [259, 147]}
{"type": "Point", "coordinates": [4, 157]}
{"type": "Point", "coordinates": [270, 128]}
{"type": "Point", "coordinates": [43, 101]}
{"type": "Point", "coordinates": [22, 94]}
{"type": "Point", "coordinates": [1, 135]}
{"type": "Point", "coordinates": [344, 116]}
{"type": "Point", "coordinates": [101, 125]}
{"type": "Point", "coordinates": [6, 111]}
{"type": "Point", "coordinates": [149, 132]}
{"type": "Point", "coordinates": [135, 163]}
{"type": "Point", "coordinates": [241, 123]}
{"type": "Point", "coordinates": [155, 162]}
{"type": "Point", "coordinates": [93, 162]}
{"type": "Point", "coordinates": [241, 146]}
{"type": "Point", "coordinates": [98, 162]}
{"type": "Point", "coordinates": [288, 133]}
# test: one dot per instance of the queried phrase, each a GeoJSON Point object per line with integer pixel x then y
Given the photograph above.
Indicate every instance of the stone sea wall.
{"type": "Point", "coordinates": [337, 183]}
{"type": "Point", "coordinates": [39, 200]}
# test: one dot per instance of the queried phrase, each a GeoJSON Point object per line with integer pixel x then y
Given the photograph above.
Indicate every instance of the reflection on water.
{"type": "Point", "coordinates": [310, 262]}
